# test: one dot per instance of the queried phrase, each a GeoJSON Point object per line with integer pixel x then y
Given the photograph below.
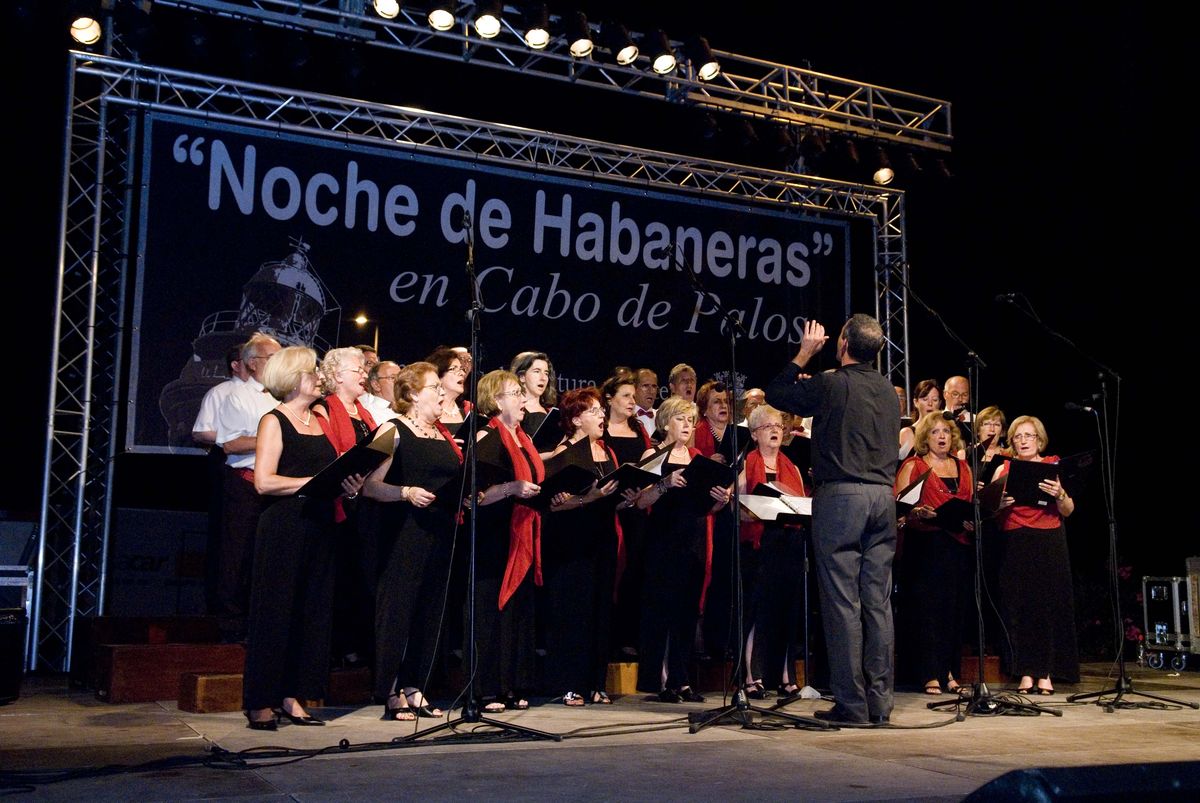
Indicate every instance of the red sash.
{"type": "Point", "coordinates": [525, 530]}
{"type": "Point", "coordinates": [787, 476]}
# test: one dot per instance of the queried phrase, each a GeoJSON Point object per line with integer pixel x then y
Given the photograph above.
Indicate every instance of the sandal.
{"type": "Point", "coordinates": [755, 691]}
{"type": "Point", "coordinates": [572, 699]}
{"type": "Point", "coordinates": [600, 698]}
{"type": "Point", "coordinates": [401, 713]}
{"type": "Point", "coordinates": [788, 692]}
{"type": "Point", "coordinates": [514, 703]}
{"type": "Point", "coordinates": [420, 706]}
{"type": "Point", "coordinates": [933, 687]}
{"type": "Point", "coordinates": [493, 707]}
{"type": "Point", "coordinates": [1045, 691]}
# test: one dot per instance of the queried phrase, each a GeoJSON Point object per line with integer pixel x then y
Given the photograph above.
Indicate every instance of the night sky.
{"type": "Point", "coordinates": [1064, 161]}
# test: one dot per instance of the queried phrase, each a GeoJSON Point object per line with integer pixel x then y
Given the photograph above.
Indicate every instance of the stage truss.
{"type": "Point", "coordinates": [106, 98]}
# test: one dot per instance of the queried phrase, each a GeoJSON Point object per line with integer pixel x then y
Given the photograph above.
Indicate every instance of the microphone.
{"type": "Point", "coordinates": [1076, 407]}
{"type": "Point", "coordinates": [662, 251]}
{"type": "Point", "coordinates": [466, 219]}
{"type": "Point", "coordinates": [1006, 298]}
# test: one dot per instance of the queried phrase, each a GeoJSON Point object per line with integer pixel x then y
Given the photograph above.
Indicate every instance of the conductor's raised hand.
{"type": "Point", "coordinates": [811, 342]}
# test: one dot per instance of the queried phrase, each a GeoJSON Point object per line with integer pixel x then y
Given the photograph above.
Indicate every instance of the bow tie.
{"type": "Point", "coordinates": [644, 411]}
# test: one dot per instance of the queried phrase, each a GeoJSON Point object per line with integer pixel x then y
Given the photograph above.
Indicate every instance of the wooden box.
{"type": "Point", "coordinates": [970, 669]}
{"type": "Point", "coordinates": [98, 630]}
{"type": "Point", "coordinates": [208, 693]}
{"type": "Point", "coordinates": [622, 678]}
{"type": "Point", "coordinates": [349, 687]}
{"type": "Point", "coordinates": [142, 673]}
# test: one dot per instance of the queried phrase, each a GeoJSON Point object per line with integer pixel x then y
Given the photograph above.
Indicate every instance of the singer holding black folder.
{"type": "Point", "coordinates": [1037, 599]}
{"type": "Point", "coordinates": [772, 561]}
{"type": "Point", "coordinates": [678, 557]}
{"type": "Point", "coordinates": [287, 650]}
{"type": "Point", "coordinates": [508, 559]}
{"type": "Point", "coordinates": [580, 548]}
{"type": "Point", "coordinates": [936, 563]}
{"type": "Point", "coordinates": [419, 488]}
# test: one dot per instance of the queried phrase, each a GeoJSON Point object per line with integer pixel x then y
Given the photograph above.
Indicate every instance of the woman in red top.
{"type": "Point", "coordinates": [1036, 596]}
{"type": "Point", "coordinates": [936, 565]}
{"type": "Point", "coordinates": [772, 559]}
{"type": "Point", "coordinates": [713, 401]}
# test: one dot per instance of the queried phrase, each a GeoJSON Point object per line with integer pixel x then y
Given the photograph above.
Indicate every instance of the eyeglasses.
{"type": "Point", "coordinates": [388, 378]}
{"type": "Point", "coordinates": [954, 394]}
{"type": "Point", "coordinates": [596, 411]}
{"type": "Point", "coordinates": [1024, 436]}
{"type": "Point", "coordinates": [769, 428]}
{"type": "Point", "coordinates": [352, 370]}
{"type": "Point", "coordinates": [515, 393]}
{"type": "Point", "coordinates": [437, 385]}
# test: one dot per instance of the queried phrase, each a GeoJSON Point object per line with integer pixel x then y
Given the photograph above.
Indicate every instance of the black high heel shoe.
{"type": "Point", "coordinates": [262, 724]}
{"type": "Point", "coordinates": [422, 708]}
{"type": "Point", "coordinates": [401, 713]}
{"type": "Point", "coordinates": [295, 720]}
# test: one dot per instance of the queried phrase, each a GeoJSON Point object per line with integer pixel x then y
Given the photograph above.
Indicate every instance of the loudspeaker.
{"type": "Point", "coordinates": [12, 653]}
{"type": "Point", "coordinates": [1176, 780]}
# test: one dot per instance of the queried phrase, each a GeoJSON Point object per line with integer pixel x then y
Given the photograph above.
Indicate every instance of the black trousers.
{"type": "Point", "coordinates": [239, 523]}
{"type": "Point", "coordinates": [674, 581]}
{"type": "Point", "coordinates": [287, 647]}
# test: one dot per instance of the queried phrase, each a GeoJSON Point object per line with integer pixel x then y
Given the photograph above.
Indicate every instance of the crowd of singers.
{"type": "Point", "coordinates": [589, 576]}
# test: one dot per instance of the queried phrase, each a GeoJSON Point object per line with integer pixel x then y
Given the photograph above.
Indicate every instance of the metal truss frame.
{"type": "Point", "coordinates": [746, 86]}
{"type": "Point", "coordinates": [106, 98]}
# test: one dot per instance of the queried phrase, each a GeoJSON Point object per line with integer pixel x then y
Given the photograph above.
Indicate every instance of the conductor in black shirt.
{"type": "Point", "coordinates": [855, 431]}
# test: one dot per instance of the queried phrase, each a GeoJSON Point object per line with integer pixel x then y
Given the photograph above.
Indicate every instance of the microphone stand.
{"type": "Point", "coordinates": [982, 701]}
{"type": "Point", "coordinates": [1124, 684]}
{"type": "Point", "coordinates": [471, 713]}
{"type": "Point", "coordinates": [739, 711]}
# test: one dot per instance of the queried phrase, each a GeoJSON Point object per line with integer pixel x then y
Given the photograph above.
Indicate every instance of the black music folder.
{"type": "Point", "coordinates": [362, 459]}
{"type": "Point", "coordinates": [639, 474]}
{"type": "Point", "coordinates": [952, 513]}
{"type": "Point", "coordinates": [910, 495]}
{"type": "Point", "coordinates": [548, 434]}
{"type": "Point", "coordinates": [702, 475]}
{"type": "Point", "coordinates": [1023, 479]}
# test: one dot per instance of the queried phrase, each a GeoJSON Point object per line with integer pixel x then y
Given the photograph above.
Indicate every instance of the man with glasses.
{"type": "Point", "coordinates": [380, 395]}
{"type": "Point", "coordinates": [237, 435]}
{"type": "Point", "coordinates": [957, 393]}
{"type": "Point", "coordinates": [854, 513]}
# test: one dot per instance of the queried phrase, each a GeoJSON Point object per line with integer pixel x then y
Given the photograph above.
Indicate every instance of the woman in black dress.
{"type": "Point", "coordinates": [678, 548]}
{"type": "Point", "coordinates": [579, 555]}
{"type": "Point", "coordinates": [287, 650]}
{"type": "Point", "coordinates": [628, 439]}
{"type": "Point", "coordinates": [420, 491]}
{"type": "Point", "coordinates": [507, 549]}
{"type": "Point", "coordinates": [535, 373]}
{"type": "Point", "coordinates": [1037, 599]}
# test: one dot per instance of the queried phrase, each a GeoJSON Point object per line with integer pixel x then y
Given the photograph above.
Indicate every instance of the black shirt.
{"type": "Point", "coordinates": [856, 432]}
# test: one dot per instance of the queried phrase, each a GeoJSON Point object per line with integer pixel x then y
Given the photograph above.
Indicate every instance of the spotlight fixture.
{"type": "Point", "coordinates": [579, 34]}
{"type": "Point", "coordinates": [884, 174]}
{"type": "Point", "coordinates": [487, 18]}
{"type": "Point", "coordinates": [388, 9]}
{"type": "Point", "coordinates": [616, 38]}
{"type": "Point", "coordinates": [537, 26]}
{"type": "Point", "coordinates": [662, 56]}
{"type": "Point", "coordinates": [441, 16]}
{"type": "Point", "coordinates": [85, 30]}
{"type": "Point", "coordinates": [702, 59]}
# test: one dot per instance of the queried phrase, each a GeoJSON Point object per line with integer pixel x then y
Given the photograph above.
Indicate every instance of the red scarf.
{"type": "Point", "coordinates": [706, 442]}
{"type": "Point", "coordinates": [525, 530]}
{"type": "Point", "coordinates": [787, 477]}
{"type": "Point", "coordinates": [441, 428]}
{"type": "Point", "coordinates": [338, 428]}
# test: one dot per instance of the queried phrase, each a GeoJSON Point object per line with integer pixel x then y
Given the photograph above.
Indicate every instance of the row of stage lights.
{"type": "Point", "coordinates": [487, 21]}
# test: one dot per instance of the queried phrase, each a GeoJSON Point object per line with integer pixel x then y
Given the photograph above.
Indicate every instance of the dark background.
{"type": "Point", "coordinates": [1071, 157]}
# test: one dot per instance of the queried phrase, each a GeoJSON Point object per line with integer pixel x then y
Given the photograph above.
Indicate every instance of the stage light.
{"type": "Point", "coordinates": [579, 34]}
{"type": "Point", "coordinates": [85, 30]}
{"type": "Point", "coordinates": [537, 26]}
{"type": "Point", "coordinates": [441, 16]}
{"type": "Point", "coordinates": [616, 38]}
{"type": "Point", "coordinates": [884, 174]}
{"type": "Point", "coordinates": [388, 9]}
{"type": "Point", "coordinates": [487, 18]}
{"type": "Point", "coordinates": [662, 56]}
{"type": "Point", "coordinates": [361, 319]}
{"type": "Point", "coordinates": [702, 59]}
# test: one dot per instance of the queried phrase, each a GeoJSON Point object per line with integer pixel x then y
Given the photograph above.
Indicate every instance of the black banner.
{"type": "Point", "coordinates": [244, 230]}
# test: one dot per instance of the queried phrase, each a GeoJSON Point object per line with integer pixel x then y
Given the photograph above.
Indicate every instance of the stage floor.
{"type": "Point", "coordinates": [66, 746]}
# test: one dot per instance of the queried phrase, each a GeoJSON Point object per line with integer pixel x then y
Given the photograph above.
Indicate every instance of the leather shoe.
{"type": "Point", "coordinates": [837, 715]}
{"type": "Point", "coordinates": [689, 695]}
{"type": "Point", "coordinates": [668, 696]}
{"type": "Point", "coordinates": [880, 719]}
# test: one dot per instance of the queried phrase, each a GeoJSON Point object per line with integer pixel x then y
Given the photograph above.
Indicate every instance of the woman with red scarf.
{"type": "Point", "coordinates": [580, 549]}
{"type": "Point", "coordinates": [936, 564]}
{"type": "Point", "coordinates": [421, 490]}
{"type": "Point", "coordinates": [508, 560]}
{"type": "Point", "coordinates": [287, 650]}
{"type": "Point", "coordinates": [628, 439]}
{"type": "Point", "coordinates": [347, 422]}
{"type": "Point", "coordinates": [678, 557]}
{"type": "Point", "coordinates": [772, 558]}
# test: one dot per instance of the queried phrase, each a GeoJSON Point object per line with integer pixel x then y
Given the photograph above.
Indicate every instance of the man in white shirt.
{"type": "Point", "coordinates": [381, 382]}
{"type": "Point", "coordinates": [204, 431]}
{"type": "Point", "coordinates": [237, 435]}
{"type": "Point", "coordinates": [645, 394]}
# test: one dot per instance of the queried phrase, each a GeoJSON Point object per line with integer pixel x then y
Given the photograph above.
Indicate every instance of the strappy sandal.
{"type": "Point", "coordinates": [515, 703]}
{"type": "Point", "coordinates": [572, 699]}
{"type": "Point", "coordinates": [420, 706]}
{"type": "Point", "coordinates": [600, 698]}
{"type": "Point", "coordinates": [755, 691]}
{"type": "Point", "coordinates": [933, 687]}
{"type": "Point", "coordinates": [401, 713]}
{"type": "Point", "coordinates": [788, 692]}
{"type": "Point", "coordinates": [494, 707]}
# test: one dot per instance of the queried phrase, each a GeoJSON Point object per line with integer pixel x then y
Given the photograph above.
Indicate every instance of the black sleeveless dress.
{"type": "Point", "coordinates": [628, 604]}
{"type": "Point", "coordinates": [674, 582]}
{"type": "Point", "coordinates": [579, 559]}
{"type": "Point", "coordinates": [287, 649]}
{"type": "Point", "coordinates": [416, 547]}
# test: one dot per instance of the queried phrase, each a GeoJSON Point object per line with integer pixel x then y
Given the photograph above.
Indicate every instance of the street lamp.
{"type": "Point", "coordinates": [361, 320]}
